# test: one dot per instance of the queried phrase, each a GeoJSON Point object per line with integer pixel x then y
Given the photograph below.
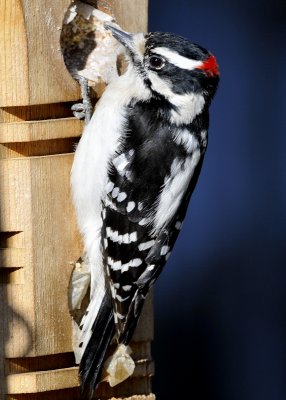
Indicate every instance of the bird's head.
{"type": "Point", "coordinates": [170, 65]}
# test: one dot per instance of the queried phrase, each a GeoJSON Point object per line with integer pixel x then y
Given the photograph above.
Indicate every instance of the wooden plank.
{"type": "Point", "coordinates": [44, 381]}
{"type": "Point", "coordinates": [15, 197]}
{"type": "Point", "coordinates": [125, 11]}
{"type": "Point", "coordinates": [49, 81]}
{"type": "Point", "coordinates": [33, 71]}
{"type": "Point", "coordinates": [51, 241]}
{"type": "Point", "coordinates": [40, 130]}
{"type": "Point", "coordinates": [36, 382]}
{"type": "Point", "coordinates": [55, 243]}
{"type": "Point", "coordinates": [14, 77]}
{"type": "Point", "coordinates": [12, 258]}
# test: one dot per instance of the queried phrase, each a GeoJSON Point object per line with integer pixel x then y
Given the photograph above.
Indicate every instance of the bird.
{"type": "Point", "coordinates": [134, 171]}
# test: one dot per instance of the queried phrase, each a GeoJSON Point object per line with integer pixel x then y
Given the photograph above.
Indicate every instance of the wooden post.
{"type": "Point", "coordinates": [38, 234]}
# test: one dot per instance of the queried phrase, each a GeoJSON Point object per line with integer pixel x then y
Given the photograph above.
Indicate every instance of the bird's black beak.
{"type": "Point", "coordinates": [125, 38]}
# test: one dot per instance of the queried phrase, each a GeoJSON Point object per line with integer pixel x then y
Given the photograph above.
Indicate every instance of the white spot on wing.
{"type": "Point", "coordinates": [130, 206]}
{"type": "Point", "coordinates": [120, 316]}
{"type": "Point", "coordinates": [126, 238]}
{"type": "Point", "coordinates": [109, 204]}
{"type": "Point", "coordinates": [133, 237]}
{"type": "Point", "coordinates": [136, 262]}
{"type": "Point", "coordinates": [126, 288]}
{"type": "Point", "coordinates": [114, 265]}
{"type": "Point", "coordinates": [120, 163]}
{"type": "Point", "coordinates": [110, 261]}
{"type": "Point", "coordinates": [146, 245]}
{"type": "Point", "coordinates": [124, 268]}
{"type": "Point", "coordinates": [121, 299]}
{"type": "Point", "coordinates": [113, 291]}
{"type": "Point", "coordinates": [122, 196]}
{"type": "Point", "coordinates": [118, 266]}
{"type": "Point", "coordinates": [132, 263]}
{"type": "Point", "coordinates": [109, 187]}
{"type": "Point", "coordinates": [114, 236]}
{"type": "Point", "coordinates": [164, 250]}
{"type": "Point", "coordinates": [178, 225]}
{"type": "Point", "coordinates": [115, 192]}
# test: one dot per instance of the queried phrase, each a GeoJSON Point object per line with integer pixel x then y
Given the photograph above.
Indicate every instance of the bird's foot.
{"type": "Point", "coordinates": [83, 110]}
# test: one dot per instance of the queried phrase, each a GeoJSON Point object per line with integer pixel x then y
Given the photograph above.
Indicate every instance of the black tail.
{"type": "Point", "coordinates": [90, 366]}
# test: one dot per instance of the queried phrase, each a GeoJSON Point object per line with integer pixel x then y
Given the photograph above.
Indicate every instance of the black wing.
{"type": "Point", "coordinates": [133, 253]}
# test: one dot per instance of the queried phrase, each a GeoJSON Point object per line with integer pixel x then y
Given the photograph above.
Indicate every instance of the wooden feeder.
{"type": "Point", "coordinates": [38, 233]}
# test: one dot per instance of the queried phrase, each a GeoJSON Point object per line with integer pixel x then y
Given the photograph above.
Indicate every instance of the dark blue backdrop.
{"type": "Point", "coordinates": [220, 305]}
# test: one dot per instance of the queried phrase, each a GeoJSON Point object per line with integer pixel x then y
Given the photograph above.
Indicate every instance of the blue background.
{"type": "Point", "coordinates": [220, 304]}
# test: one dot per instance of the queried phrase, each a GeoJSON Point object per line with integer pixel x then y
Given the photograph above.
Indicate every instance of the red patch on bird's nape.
{"type": "Point", "coordinates": [210, 66]}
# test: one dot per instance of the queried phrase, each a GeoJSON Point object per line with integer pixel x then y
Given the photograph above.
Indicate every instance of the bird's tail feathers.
{"type": "Point", "coordinates": [132, 317]}
{"type": "Point", "coordinates": [91, 363]}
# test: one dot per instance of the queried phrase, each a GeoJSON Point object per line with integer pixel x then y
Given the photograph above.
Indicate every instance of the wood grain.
{"type": "Point", "coordinates": [14, 77]}
{"type": "Point", "coordinates": [35, 199]}
{"type": "Point", "coordinates": [32, 131]}
{"type": "Point", "coordinates": [38, 232]}
{"type": "Point", "coordinates": [32, 53]}
{"type": "Point", "coordinates": [44, 381]}
{"type": "Point", "coordinates": [132, 15]}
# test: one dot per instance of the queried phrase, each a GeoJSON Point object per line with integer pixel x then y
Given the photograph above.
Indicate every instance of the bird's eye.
{"type": "Point", "coordinates": [156, 62]}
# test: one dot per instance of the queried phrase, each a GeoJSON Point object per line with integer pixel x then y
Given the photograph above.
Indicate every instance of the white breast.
{"type": "Point", "coordinates": [99, 141]}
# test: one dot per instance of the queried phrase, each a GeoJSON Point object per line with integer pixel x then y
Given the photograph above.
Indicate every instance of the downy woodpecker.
{"type": "Point", "coordinates": [134, 171]}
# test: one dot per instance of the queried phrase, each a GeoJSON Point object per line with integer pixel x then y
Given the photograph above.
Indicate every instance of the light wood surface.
{"type": "Point", "coordinates": [36, 382]}
{"type": "Point", "coordinates": [29, 38]}
{"type": "Point", "coordinates": [32, 131]}
{"type": "Point", "coordinates": [38, 233]}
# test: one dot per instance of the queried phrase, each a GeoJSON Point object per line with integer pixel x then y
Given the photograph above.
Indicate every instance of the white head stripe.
{"type": "Point", "coordinates": [176, 59]}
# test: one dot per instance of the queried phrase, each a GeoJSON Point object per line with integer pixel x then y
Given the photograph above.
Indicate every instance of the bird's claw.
{"type": "Point", "coordinates": [79, 110]}
{"type": "Point", "coordinates": [83, 110]}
